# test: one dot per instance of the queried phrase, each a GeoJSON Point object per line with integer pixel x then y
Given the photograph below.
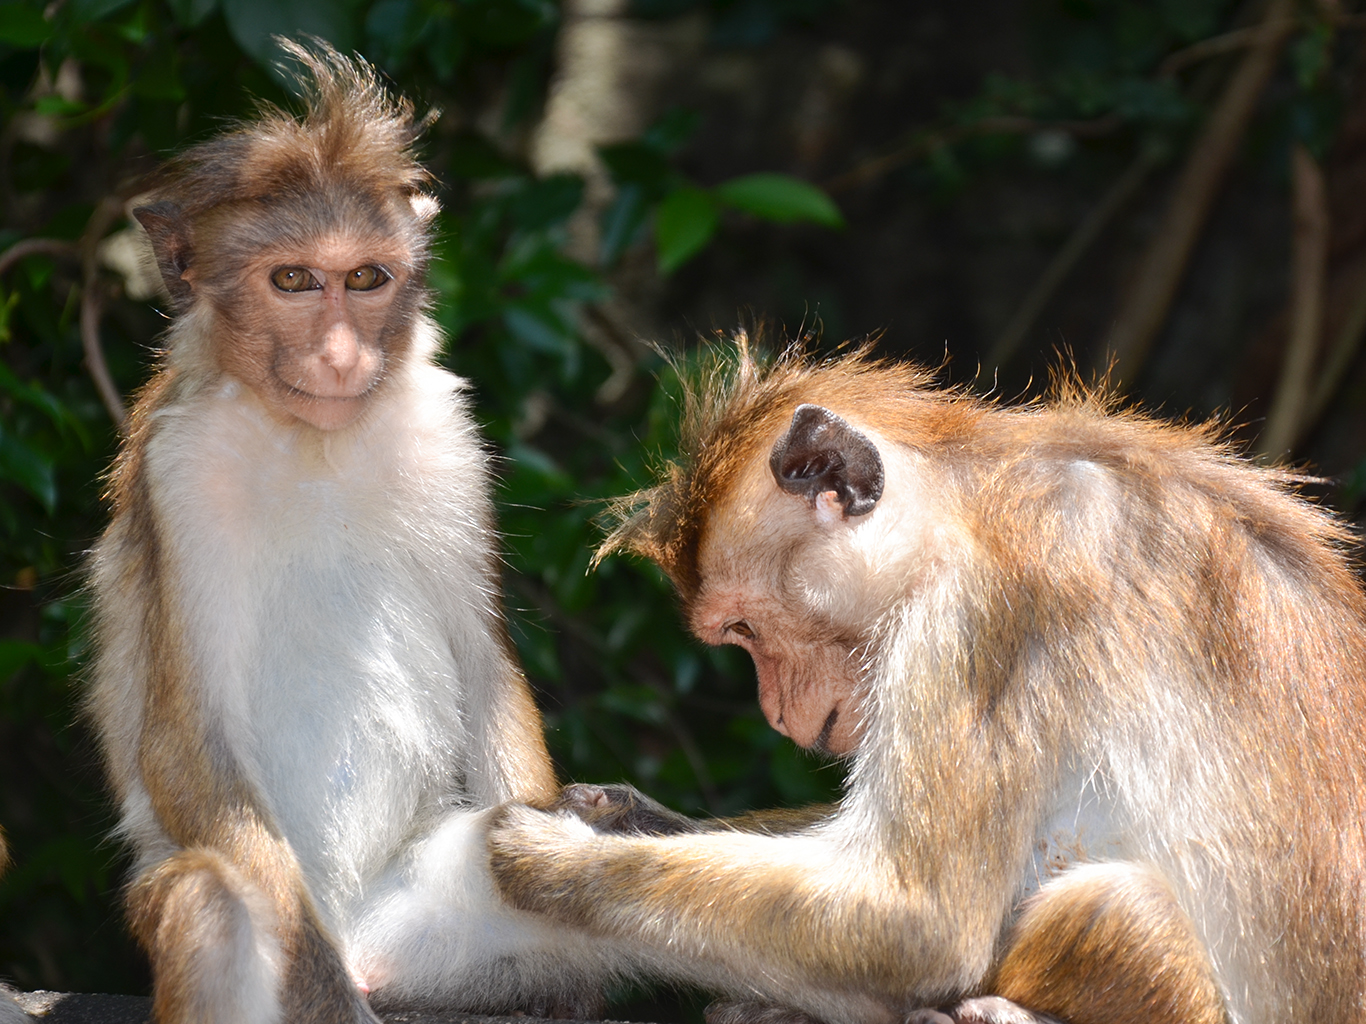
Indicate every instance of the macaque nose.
{"type": "Point", "coordinates": [341, 350]}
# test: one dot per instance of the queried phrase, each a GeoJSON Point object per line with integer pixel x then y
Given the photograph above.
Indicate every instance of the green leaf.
{"type": "Point", "coordinates": [638, 164]}
{"type": "Point", "coordinates": [23, 25]}
{"type": "Point", "coordinates": [547, 202]}
{"type": "Point", "coordinates": [506, 23]}
{"type": "Point", "coordinates": [32, 471]}
{"type": "Point", "coordinates": [94, 10]}
{"type": "Point", "coordinates": [621, 222]}
{"type": "Point", "coordinates": [538, 330]}
{"type": "Point", "coordinates": [685, 221]}
{"type": "Point", "coordinates": [780, 198]}
{"type": "Point", "coordinates": [671, 131]}
{"type": "Point", "coordinates": [190, 13]}
{"type": "Point", "coordinates": [15, 654]}
{"type": "Point", "coordinates": [255, 23]}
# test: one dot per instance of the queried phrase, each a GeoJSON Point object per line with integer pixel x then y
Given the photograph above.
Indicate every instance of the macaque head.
{"type": "Point", "coordinates": [300, 244]}
{"type": "Point", "coordinates": [786, 532]}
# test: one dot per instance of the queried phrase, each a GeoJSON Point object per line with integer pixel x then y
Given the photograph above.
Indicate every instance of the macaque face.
{"type": "Point", "coordinates": [809, 685]}
{"type": "Point", "coordinates": [803, 555]}
{"type": "Point", "coordinates": [766, 586]}
{"type": "Point", "coordinates": [316, 335]}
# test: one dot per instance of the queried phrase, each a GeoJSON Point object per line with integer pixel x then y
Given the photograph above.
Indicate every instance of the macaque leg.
{"type": "Point", "coordinates": [434, 930]}
{"type": "Point", "coordinates": [212, 938]}
{"type": "Point", "coordinates": [1107, 944]}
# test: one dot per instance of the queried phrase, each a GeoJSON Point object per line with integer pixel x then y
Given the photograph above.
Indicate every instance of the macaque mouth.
{"type": "Point", "coordinates": [823, 740]}
{"type": "Point", "coordinates": [311, 397]}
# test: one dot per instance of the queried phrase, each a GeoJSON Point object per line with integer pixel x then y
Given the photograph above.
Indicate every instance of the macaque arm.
{"type": "Point", "coordinates": [514, 763]}
{"type": "Point", "coordinates": [433, 928]}
{"type": "Point", "coordinates": [744, 911]}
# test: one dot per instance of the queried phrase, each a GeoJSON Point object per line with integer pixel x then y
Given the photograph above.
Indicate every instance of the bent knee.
{"type": "Point", "coordinates": [1109, 943]}
{"type": "Point", "coordinates": [212, 937]}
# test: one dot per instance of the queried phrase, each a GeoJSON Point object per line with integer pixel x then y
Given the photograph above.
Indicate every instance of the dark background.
{"type": "Point", "coordinates": [965, 145]}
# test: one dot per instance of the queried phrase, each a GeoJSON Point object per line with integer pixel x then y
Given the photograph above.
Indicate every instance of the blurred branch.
{"type": "Point", "coordinates": [1163, 264]}
{"type": "Point", "coordinates": [1240, 38]}
{"type": "Point", "coordinates": [92, 307]}
{"type": "Point", "coordinates": [614, 344]}
{"type": "Point", "coordinates": [1308, 267]}
{"type": "Point", "coordinates": [1076, 246]}
{"type": "Point", "coordinates": [1339, 360]}
{"type": "Point", "coordinates": [92, 301]}
{"type": "Point", "coordinates": [930, 140]}
{"type": "Point", "coordinates": [36, 247]}
{"type": "Point", "coordinates": [591, 640]}
{"type": "Point", "coordinates": [1217, 46]}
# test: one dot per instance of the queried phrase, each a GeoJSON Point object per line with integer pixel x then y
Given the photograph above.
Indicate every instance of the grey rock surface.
{"type": "Point", "coordinates": [85, 1008]}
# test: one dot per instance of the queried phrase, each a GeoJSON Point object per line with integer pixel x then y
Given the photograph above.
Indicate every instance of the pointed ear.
{"type": "Point", "coordinates": [821, 452]}
{"type": "Point", "coordinates": [170, 238]}
{"type": "Point", "coordinates": [425, 207]}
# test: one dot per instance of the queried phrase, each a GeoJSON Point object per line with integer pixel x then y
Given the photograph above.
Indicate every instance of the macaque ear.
{"type": "Point", "coordinates": [425, 207]}
{"type": "Point", "coordinates": [170, 238]}
{"type": "Point", "coordinates": [821, 452]}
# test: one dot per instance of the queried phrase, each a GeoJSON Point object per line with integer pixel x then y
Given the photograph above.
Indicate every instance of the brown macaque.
{"type": "Point", "coordinates": [304, 687]}
{"type": "Point", "coordinates": [1101, 684]}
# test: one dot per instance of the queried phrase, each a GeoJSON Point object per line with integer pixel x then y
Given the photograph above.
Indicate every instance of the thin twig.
{"type": "Point", "coordinates": [1339, 359]}
{"type": "Point", "coordinates": [1163, 265]}
{"type": "Point", "coordinates": [547, 606]}
{"type": "Point", "coordinates": [614, 345]}
{"type": "Point", "coordinates": [92, 307]}
{"type": "Point", "coordinates": [1082, 238]}
{"type": "Point", "coordinates": [36, 247]}
{"type": "Point", "coordinates": [1309, 262]}
{"type": "Point", "coordinates": [930, 140]}
{"type": "Point", "coordinates": [1216, 46]}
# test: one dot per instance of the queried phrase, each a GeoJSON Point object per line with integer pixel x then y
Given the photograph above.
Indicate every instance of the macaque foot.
{"type": "Point", "coordinates": [744, 1012]}
{"type": "Point", "coordinates": [981, 1010]}
{"type": "Point", "coordinates": [622, 809]}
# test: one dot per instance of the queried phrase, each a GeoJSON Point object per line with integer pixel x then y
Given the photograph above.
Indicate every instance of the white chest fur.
{"type": "Point", "coordinates": [328, 581]}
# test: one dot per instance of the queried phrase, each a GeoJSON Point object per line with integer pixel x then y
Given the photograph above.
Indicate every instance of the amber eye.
{"type": "Point", "coordinates": [293, 279]}
{"type": "Point", "coordinates": [740, 628]}
{"type": "Point", "coordinates": [366, 279]}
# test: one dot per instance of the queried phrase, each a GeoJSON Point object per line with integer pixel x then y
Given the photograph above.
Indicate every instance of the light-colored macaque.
{"type": "Point", "coordinates": [1102, 689]}
{"type": "Point", "coordinates": [304, 688]}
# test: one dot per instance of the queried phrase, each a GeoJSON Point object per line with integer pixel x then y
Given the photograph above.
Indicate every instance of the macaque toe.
{"type": "Point", "coordinates": [995, 1010]}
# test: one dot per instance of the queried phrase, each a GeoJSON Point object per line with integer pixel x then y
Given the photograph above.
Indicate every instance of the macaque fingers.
{"type": "Point", "coordinates": [622, 809]}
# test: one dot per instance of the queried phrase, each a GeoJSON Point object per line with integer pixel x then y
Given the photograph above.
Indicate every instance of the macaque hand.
{"type": "Point", "coordinates": [527, 848]}
{"type": "Point", "coordinates": [622, 809]}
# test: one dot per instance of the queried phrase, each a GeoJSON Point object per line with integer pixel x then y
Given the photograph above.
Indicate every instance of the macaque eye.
{"type": "Point", "coordinates": [294, 279]}
{"type": "Point", "coordinates": [740, 628]}
{"type": "Point", "coordinates": [365, 279]}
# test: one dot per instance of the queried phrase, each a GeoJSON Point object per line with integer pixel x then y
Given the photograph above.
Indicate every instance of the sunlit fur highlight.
{"type": "Point", "coordinates": [303, 685]}
{"type": "Point", "coordinates": [1114, 689]}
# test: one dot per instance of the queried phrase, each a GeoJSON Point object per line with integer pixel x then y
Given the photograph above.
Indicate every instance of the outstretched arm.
{"type": "Point", "coordinates": [796, 920]}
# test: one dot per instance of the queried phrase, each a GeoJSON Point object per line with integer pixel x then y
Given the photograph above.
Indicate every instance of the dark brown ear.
{"type": "Point", "coordinates": [821, 452]}
{"type": "Point", "coordinates": [170, 237]}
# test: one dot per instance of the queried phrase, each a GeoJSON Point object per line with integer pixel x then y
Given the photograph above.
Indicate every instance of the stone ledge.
{"type": "Point", "coordinates": [85, 1008]}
